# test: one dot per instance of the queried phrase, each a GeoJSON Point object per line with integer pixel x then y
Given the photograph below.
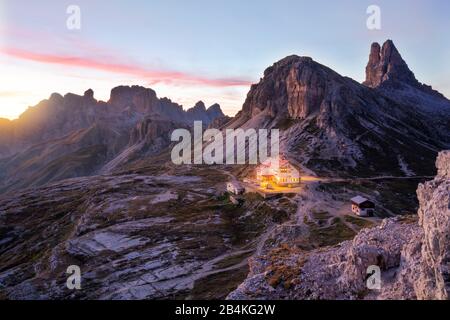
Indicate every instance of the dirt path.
{"type": "Point", "coordinates": [373, 178]}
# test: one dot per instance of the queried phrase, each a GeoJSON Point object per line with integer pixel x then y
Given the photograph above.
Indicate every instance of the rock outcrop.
{"type": "Point", "coordinates": [294, 87]}
{"type": "Point", "coordinates": [215, 112]}
{"type": "Point", "coordinates": [89, 94]}
{"type": "Point", "coordinates": [145, 101]}
{"type": "Point", "coordinates": [385, 63]}
{"type": "Point", "coordinates": [414, 258]}
{"type": "Point", "coordinates": [386, 68]}
{"type": "Point", "coordinates": [199, 112]}
{"type": "Point", "coordinates": [434, 214]}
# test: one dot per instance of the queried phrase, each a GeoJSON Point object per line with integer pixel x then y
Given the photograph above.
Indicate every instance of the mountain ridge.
{"type": "Point", "coordinates": [330, 123]}
{"type": "Point", "coordinates": [34, 148]}
{"type": "Point", "coordinates": [333, 123]}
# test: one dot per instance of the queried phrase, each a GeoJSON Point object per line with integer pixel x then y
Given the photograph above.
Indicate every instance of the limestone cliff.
{"type": "Point", "coordinates": [434, 213]}
{"type": "Point", "coordinates": [414, 257]}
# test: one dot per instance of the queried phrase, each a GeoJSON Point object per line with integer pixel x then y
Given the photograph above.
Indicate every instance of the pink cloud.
{"type": "Point", "coordinates": [152, 76]}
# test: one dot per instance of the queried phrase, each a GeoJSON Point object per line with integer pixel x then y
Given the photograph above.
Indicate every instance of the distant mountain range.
{"type": "Point", "coordinates": [72, 136]}
{"type": "Point", "coordinates": [390, 124]}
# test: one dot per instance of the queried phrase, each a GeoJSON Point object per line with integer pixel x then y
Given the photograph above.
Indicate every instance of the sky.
{"type": "Point", "coordinates": [209, 50]}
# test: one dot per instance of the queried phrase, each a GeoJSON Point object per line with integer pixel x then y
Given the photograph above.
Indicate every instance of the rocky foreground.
{"type": "Point", "coordinates": [134, 236]}
{"type": "Point", "coordinates": [414, 257]}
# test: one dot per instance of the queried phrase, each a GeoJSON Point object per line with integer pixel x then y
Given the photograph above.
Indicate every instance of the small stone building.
{"type": "Point", "coordinates": [362, 207]}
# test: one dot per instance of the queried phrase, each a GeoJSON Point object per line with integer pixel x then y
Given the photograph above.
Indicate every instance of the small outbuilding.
{"type": "Point", "coordinates": [362, 207]}
{"type": "Point", "coordinates": [235, 188]}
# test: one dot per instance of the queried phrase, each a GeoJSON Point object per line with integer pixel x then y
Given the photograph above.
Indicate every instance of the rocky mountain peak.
{"type": "Point", "coordinates": [207, 115]}
{"type": "Point", "coordinates": [56, 97]}
{"type": "Point", "coordinates": [215, 109]}
{"type": "Point", "coordinates": [123, 96]}
{"type": "Point", "coordinates": [293, 87]}
{"type": "Point", "coordinates": [89, 94]}
{"type": "Point", "coordinates": [200, 106]}
{"type": "Point", "coordinates": [387, 69]}
{"type": "Point", "coordinates": [386, 63]}
{"type": "Point", "coordinates": [215, 112]}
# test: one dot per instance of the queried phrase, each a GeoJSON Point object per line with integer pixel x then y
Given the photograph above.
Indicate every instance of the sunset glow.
{"type": "Point", "coordinates": [216, 158]}
{"type": "Point", "coordinates": [214, 59]}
